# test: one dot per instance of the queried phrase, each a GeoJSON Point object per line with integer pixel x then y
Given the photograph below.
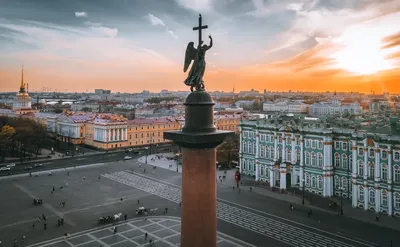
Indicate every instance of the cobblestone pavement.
{"type": "Point", "coordinates": [287, 232]}
{"type": "Point", "coordinates": [164, 231]}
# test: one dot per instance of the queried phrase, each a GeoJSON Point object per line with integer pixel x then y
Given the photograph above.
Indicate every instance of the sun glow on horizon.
{"type": "Point", "coordinates": [361, 51]}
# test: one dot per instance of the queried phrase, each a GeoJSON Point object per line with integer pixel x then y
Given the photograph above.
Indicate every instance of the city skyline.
{"type": "Point", "coordinates": [129, 46]}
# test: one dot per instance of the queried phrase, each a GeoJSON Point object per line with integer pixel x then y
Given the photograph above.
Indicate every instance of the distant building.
{"type": "Point", "coordinates": [89, 107]}
{"type": "Point", "coordinates": [102, 91]}
{"type": "Point", "coordinates": [335, 108]}
{"type": "Point", "coordinates": [285, 106]}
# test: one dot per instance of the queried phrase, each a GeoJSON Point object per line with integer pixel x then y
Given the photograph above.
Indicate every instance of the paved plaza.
{"type": "Point", "coordinates": [164, 231]}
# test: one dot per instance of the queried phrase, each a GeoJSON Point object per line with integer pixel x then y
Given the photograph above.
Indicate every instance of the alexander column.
{"type": "Point", "coordinates": [198, 139]}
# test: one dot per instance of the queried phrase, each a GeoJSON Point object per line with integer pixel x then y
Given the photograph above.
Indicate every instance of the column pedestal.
{"type": "Point", "coordinates": [198, 138]}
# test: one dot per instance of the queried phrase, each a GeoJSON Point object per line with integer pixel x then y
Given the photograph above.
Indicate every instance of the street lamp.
{"type": "Point", "coordinates": [146, 153]}
{"type": "Point", "coordinates": [341, 199]}
{"type": "Point", "coordinates": [303, 181]}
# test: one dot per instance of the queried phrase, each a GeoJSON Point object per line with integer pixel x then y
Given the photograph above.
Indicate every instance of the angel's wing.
{"type": "Point", "coordinates": [189, 55]}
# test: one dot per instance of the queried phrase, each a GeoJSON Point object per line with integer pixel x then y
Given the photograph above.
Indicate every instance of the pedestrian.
{"type": "Point", "coordinates": [67, 173]}
{"type": "Point", "coordinates": [115, 229]}
{"type": "Point", "coordinates": [33, 225]}
{"type": "Point", "coordinates": [45, 225]}
{"type": "Point", "coordinates": [63, 204]}
{"type": "Point", "coordinates": [377, 218]}
{"type": "Point", "coordinates": [99, 177]}
{"type": "Point", "coordinates": [62, 221]}
{"type": "Point", "coordinates": [54, 189]}
{"type": "Point", "coordinates": [122, 199]}
{"type": "Point", "coordinates": [233, 187]}
{"type": "Point", "coordinates": [15, 242]}
{"type": "Point", "coordinates": [59, 222]}
{"type": "Point", "coordinates": [126, 216]}
{"type": "Point", "coordinates": [23, 238]}
{"type": "Point", "coordinates": [251, 189]}
{"type": "Point", "coordinates": [338, 213]}
{"type": "Point", "coordinates": [291, 206]}
{"type": "Point", "coordinates": [145, 235]}
{"type": "Point", "coordinates": [144, 171]}
{"type": "Point", "coordinates": [84, 178]}
{"type": "Point", "coordinates": [138, 202]}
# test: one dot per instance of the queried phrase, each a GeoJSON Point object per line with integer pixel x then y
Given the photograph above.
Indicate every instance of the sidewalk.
{"type": "Point", "coordinates": [311, 200]}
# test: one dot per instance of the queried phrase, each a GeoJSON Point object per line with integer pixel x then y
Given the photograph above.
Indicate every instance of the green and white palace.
{"type": "Point", "coordinates": [328, 156]}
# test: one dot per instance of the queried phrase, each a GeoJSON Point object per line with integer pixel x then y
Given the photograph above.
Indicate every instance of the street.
{"type": "Point", "coordinates": [96, 190]}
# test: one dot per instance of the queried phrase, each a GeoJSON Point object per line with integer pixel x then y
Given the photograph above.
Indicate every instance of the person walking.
{"type": "Point", "coordinates": [23, 239]}
{"type": "Point", "coordinates": [145, 235]}
{"type": "Point", "coordinates": [125, 216]}
{"type": "Point", "coordinates": [115, 230]}
{"type": "Point", "coordinates": [45, 225]}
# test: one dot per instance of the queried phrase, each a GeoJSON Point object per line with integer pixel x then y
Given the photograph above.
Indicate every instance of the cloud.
{"type": "Point", "coordinates": [81, 14]}
{"type": "Point", "coordinates": [196, 5]}
{"type": "Point", "coordinates": [155, 21]}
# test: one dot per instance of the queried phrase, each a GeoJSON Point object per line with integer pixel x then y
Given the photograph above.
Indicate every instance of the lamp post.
{"type": "Point", "coordinates": [302, 182]}
{"type": "Point", "coordinates": [147, 148]}
{"type": "Point", "coordinates": [177, 162]}
{"type": "Point", "coordinates": [341, 200]}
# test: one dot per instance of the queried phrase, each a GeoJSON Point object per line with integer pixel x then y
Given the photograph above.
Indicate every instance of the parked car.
{"type": "Point", "coordinates": [5, 168]}
{"type": "Point", "coordinates": [127, 157]}
{"type": "Point", "coordinates": [38, 165]}
{"type": "Point", "coordinates": [11, 165]}
{"type": "Point", "coordinates": [28, 168]}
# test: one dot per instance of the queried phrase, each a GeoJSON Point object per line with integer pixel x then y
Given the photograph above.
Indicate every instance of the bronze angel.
{"type": "Point", "coordinates": [195, 76]}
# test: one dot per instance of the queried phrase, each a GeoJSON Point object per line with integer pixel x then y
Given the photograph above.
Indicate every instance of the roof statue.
{"type": "Point", "coordinates": [195, 76]}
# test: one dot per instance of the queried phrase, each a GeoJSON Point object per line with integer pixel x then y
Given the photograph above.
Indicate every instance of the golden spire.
{"type": "Point", "coordinates": [22, 87]}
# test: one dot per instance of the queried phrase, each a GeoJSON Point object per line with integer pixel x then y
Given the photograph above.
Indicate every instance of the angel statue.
{"type": "Point", "coordinates": [195, 76]}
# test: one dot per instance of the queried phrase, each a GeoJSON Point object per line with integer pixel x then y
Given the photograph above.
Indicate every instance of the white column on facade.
{"type": "Point", "coordinates": [126, 134]}
{"type": "Point", "coordinates": [103, 131]}
{"type": "Point", "coordinates": [271, 177]}
{"type": "Point", "coordinates": [293, 157]}
{"type": "Point", "coordinates": [327, 167]}
{"type": "Point", "coordinates": [377, 179]}
{"type": "Point", "coordinates": [275, 146]}
{"type": "Point", "coordinates": [114, 134]}
{"type": "Point", "coordinates": [301, 161]}
{"type": "Point", "coordinates": [365, 176]}
{"type": "Point", "coordinates": [283, 171]}
{"type": "Point", "coordinates": [389, 181]}
{"type": "Point", "coordinates": [283, 154]}
{"type": "Point", "coordinates": [257, 155]}
{"type": "Point", "coordinates": [354, 191]}
{"type": "Point", "coordinates": [240, 149]}
{"type": "Point", "coordinates": [119, 134]}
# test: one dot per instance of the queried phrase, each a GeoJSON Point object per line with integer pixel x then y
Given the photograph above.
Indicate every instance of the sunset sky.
{"type": "Point", "coordinates": [132, 45]}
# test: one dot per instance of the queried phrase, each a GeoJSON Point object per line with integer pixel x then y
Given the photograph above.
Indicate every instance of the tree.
{"type": "Point", "coordinates": [6, 134]}
{"type": "Point", "coordinates": [229, 150]}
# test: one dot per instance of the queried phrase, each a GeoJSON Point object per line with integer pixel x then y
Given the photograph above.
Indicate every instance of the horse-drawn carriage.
{"type": "Point", "coordinates": [109, 219]}
{"type": "Point", "coordinates": [37, 201]}
{"type": "Point", "coordinates": [146, 211]}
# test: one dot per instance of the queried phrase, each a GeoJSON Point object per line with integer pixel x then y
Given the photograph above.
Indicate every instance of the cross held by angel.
{"type": "Point", "coordinates": [196, 73]}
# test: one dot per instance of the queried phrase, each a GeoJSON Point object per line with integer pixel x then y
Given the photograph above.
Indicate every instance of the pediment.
{"type": "Point", "coordinates": [64, 119]}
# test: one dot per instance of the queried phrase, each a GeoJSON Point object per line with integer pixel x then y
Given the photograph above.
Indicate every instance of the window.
{"type": "Point", "coordinates": [350, 160]}
{"type": "Point", "coordinates": [396, 177]}
{"type": "Point", "coordinates": [249, 147]}
{"type": "Point", "coordinates": [371, 153]}
{"type": "Point", "coordinates": [280, 139]}
{"type": "Point", "coordinates": [313, 159]}
{"type": "Point", "coordinates": [279, 153]}
{"type": "Point", "coordinates": [371, 170]}
{"type": "Point", "coordinates": [313, 144]}
{"type": "Point", "coordinates": [360, 152]}
{"type": "Point", "coordinates": [337, 160]}
{"type": "Point", "coordinates": [244, 147]}
{"type": "Point", "coordinates": [313, 182]}
{"type": "Point", "coordinates": [307, 182]}
{"type": "Point", "coordinates": [254, 148]}
{"type": "Point", "coordinates": [262, 171]}
{"type": "Point", "coordinates": [297, 141]}
{"type": "Point", "coordinates": [287, 140]}
{"type": "Point", "coordinates": [298, 156]}
{"type": "Point", "coordinates": [307, 143]}
{"type": "Point", "coordinates": [344, 183]}
{"type": "Point", "coordinates": [337, 145]}
{"type": "Point", "coordinates": [396, 155]}
{"type": "Point", "coordinates": [267, 152]}
{"type": "Point", "coordinates": [320, 146]}
{"type": "Point", "coordinates": [308, 158]}
{"type": "Point", "coordinates": [262, 150]}
{"type": "Point", "coordinates": [289, 154]}
{"type": "Point", "coordinates": [337, 182]}
{"type": "Point", "coordinates": [344, 161]}
{"type": "Point", "coordinates": [384, 199]}
{"type": "Point", "coordinates": [384, 154]}
{"type": "Point", "coordinates": [272, 153]}
{"type": "Point", "coordinates": [344, 146]}
{"type": "Point", "coordinates": [244, 164]}
{"type": "Point", "coordinates": [320, 182]}
{"type": "Point", "coordinates": [371, 198]}
{"type": "Point", "coordinates": [360, 168]}
{"type": "Point", "coordinates": [361, 194]}
{"type": "Point", "coordinates": [396, 196]}
{"type": "Point", "coordinates": [254, 135]}
{"type": "Point", "coordinates": [262, 137]}
{"type": "Point", "coordinates": [383, 172]}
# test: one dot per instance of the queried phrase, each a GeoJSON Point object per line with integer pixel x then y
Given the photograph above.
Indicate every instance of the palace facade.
{"type": "Point", "coordinates": [328, 156]}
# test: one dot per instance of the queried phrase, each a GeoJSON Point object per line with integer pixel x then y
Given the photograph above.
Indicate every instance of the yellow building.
{"type": "Point", "coordinates": [227, 122]}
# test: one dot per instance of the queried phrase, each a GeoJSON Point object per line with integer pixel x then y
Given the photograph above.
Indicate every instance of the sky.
{"type": "Point", "coordinates": [135, 45]}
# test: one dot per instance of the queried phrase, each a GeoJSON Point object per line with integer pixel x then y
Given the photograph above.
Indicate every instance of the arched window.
{"type": "Point", "coordinates": [244, 164]}
{"type": "Point", "coordinates": [337, 182]}
{"type": "Point", "coordinates": [254, 148]}
{"type": "Point", "coordinates": [384, 154]}
{"type": "Point", "coordinates": [249, 147]}
{"type": "Point", "coordinates": [308, 158]}
{"type": "Point", "coordinates": [344, 183]}
{"type": "Point", "coordinates": [371, 170]}
{"type": "Point", "coordinates": [384, 198]}
{"type": "Point", "coordinates": [371, 198]}
{"type": "Point", "coordinates": [337, 160]}
{"type": "Point", "coordinates": [361, 194]}
{"type": "Point", "coordinates": [267, 152]}
{"type": "Point", "coordinates": [320, 182]}
{"type": "Point", "coordinates": [279, 153]}
{"type": "Point", "coordinates": [244, 147]}
{"type": "Point", "coordinates": [383, 172]}
{"type": "Point", "coordinates": [298, 156]}
{"type": "Point", "coordinates": [396, 196]}
{"type": "Point", "coordinates": [360, 168]}
{"type": "Point", "coordinates": [261, 171]}
{"type": "Point", "coordinates": [289, 154]}
{"type": "Point", "coordinates": [262, 150]}
{"type": "Point", "coordinates": [396, 177]}
{"type": "Point", "coordinates": [320, 160]}
{"type": "Point", "coordinates": [313, 159]}
{"type": "Point", "coordinates": [313, 181]}
{"type": "Point", "coordinates": [307, 182]}
{"type": "Point", "coordinates": [344, 161]}
{"type": "Point", "coordinates": [267, 172]}
{"type": "Point", "coordinates": [272, 153]}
